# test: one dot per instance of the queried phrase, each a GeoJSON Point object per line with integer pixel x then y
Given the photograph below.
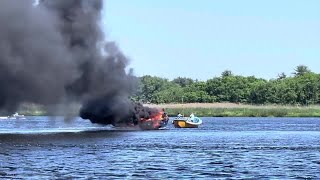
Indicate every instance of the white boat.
{"type": "Point", "coordinates": [16, 116]}
{"type": "Point", "coordinates": [184, 122]}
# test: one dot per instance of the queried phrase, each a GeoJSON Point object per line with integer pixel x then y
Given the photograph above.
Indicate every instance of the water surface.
{"type": "Point", "coordinates": [226, 148]}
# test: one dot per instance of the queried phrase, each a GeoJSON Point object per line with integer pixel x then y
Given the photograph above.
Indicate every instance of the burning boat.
{"type": "Point", "coordinates": [157, 121]}
{"type": "Point", "coordinates": [101, 111]}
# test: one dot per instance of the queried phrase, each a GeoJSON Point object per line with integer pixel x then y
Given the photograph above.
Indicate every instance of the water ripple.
{"type": "Point", "coordinates": [224, 148]}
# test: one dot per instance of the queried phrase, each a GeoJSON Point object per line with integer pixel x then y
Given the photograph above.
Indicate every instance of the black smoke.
{"type": "Point", "coordinates": [105, 111]}
{"type": "Point", "coordinates": [35, 63]}
{"type": "Point", "coordinates": [56, 52]}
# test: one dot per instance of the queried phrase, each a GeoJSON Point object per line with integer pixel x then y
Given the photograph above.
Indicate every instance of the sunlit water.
{"type": "Point", "coordinates": [226, 148]}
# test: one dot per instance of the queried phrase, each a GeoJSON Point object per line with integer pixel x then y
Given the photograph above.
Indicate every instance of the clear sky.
{"type": "Point", "coordinates": [202, 38]}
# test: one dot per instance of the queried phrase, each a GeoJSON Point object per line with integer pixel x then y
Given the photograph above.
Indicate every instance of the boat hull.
{"type": "Point", "coordinates": [153, 124]}
{"type": "Point", "coordinates": [184, 124]}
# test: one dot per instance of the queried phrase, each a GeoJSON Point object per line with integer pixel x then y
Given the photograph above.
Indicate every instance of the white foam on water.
{"type": "Point", "coordinates": [53, 130]}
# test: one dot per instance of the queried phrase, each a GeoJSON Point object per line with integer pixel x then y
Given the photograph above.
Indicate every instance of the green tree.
{"type": "Point", "coordinates": [300, 70]}
{"type": "Point", "coordinates": [214, 88]}
{"type": "Point", "coordinates": [307, 88]}
{"type": "Point", "coordinates": [285, 91]}
{"type": "Point", "coordinates": [232, 88]}
{"type": "Point", "coordinates": [281, 76]}
{"type": "Point", "coordinates": [183, 81]}
{"type": "Point", "coordinates": [150, 85]}
{"type": "Point", "coordinates": [172, 94]}
{"type": "Point", "coordinates": [226, 73]}
{"type": "Point", "coordinates": [197, 96]}
{"type": "Point", "coordinates": [259, 92]}
{"type": "Point", "coordinates": [303, 88]}
{"type": "Point", "coordinates": [196, 92]}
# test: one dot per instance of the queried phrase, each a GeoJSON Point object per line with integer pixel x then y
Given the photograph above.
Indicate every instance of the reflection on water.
{"type": "Point", "coordinates": [233, 148]}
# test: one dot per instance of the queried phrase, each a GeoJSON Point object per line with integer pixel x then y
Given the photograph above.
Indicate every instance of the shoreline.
{"type": "Point", "coordinates": [205, 110]}
{"type": "Point", "coordinates": [239, 110]}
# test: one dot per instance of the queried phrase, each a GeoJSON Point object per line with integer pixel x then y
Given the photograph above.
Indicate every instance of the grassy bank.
{"type": "Point", "coordinates": [200, 109]}
{"type": "Point", "coordinates": [32, 110]}
{"type": "Point", "coordinates": [38, 110]}
{"type": "Point", "coordinates": [239, 110]}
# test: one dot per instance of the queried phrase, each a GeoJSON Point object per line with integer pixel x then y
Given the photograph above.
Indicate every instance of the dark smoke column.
{"type": "Point", "coordinates": [56, 52]}
{"type": "Point", "coordinates": [103, 85]}
{"type": "Point", "coordinates": [35, 61]}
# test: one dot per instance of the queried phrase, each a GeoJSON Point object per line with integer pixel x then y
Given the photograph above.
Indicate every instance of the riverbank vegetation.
{"type": "Point", "coordinates": [200, 109]}
{"type": "Point", "coordinates": [300, 89]}
{"type": "Point", "coordinates": [239, 110]}
{"type": "Point", "coordinates": [296, 95]}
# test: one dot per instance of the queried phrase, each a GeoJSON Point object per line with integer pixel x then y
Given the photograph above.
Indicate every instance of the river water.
{"type": "Point", "coordinates": [222, 148]}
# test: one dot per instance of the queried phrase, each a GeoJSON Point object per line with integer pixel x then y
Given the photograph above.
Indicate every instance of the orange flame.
{"type": "Point", "coordinates": [154, 122]}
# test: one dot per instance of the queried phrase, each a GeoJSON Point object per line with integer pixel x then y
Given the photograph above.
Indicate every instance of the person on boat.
{"type": "Point", "coordinates": [165, 115]}
{"type": "Point", "coordinates": [191, 117]}
{"type": "Point", "coordinates": [179, 115]}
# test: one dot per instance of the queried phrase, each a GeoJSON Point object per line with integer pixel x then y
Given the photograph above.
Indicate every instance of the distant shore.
{"type": "Point", "coordinates": [239, 110]}
{"type": "Point", "coordinates": [201, 110]}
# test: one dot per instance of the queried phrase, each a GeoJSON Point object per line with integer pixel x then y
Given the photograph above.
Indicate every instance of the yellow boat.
{"type": "Point", "coordinates": [187, 122]}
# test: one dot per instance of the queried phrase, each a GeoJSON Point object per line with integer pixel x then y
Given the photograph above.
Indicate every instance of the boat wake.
{"type": "Point", "coordinates": [51, 131]}
{"type": "Point", "coordinates": [54, 131]}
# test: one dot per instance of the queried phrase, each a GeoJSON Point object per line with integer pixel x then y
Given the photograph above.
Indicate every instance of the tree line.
{"type": "Point", "coordinates": [303, 88]}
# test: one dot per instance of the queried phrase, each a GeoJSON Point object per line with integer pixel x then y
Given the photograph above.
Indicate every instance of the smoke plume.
{"type": "Point", "coordinates": [56, 52]}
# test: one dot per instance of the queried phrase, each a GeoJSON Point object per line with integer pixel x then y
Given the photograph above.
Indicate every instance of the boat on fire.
{"type": "Point", "coordinates": [150, 124]}
{"type": "Point", "coordinates": [160, 121]}
{"type": "Point", "coordinates": [186, 122]}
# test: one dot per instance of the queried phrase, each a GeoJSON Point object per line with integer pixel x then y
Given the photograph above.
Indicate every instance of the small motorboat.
{"type": "Point", "coordinates": [16, 116]}
{"type": "Point", "coordinates": [185, 122]}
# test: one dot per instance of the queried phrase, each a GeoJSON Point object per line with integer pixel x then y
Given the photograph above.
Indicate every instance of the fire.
{"type": "Point", "coordinates": [155, 121]}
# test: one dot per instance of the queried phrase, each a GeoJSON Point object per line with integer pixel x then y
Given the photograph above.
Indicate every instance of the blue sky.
{"type": "Point", "coordinates": [200, 39]}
